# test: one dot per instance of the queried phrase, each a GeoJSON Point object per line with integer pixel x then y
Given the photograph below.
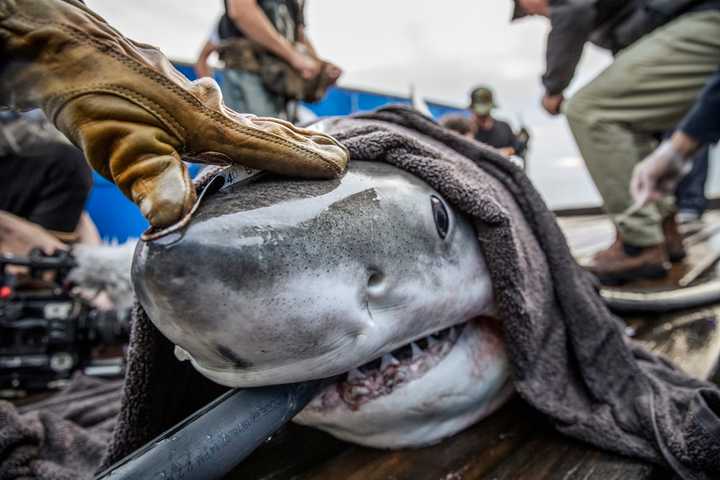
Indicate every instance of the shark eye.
{"type": "Point", "coordinates": [440, 214]}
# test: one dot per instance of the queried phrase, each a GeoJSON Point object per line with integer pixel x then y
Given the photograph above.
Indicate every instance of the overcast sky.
{"type": "Point", "coordinates": [442, 47]}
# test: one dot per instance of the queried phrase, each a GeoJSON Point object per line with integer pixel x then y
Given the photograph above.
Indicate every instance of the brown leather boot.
{"type": "Point", "coordinates": [615, 265]}
{"type": "Point", "coordinates": [673, 240]}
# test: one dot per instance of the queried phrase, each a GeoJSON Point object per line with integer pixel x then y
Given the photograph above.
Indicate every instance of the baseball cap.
{"type": "Point", "coordinates": [482, 101]}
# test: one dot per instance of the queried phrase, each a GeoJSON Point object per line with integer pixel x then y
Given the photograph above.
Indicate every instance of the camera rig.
{"type": "Point", "coordinates": [47, 330]}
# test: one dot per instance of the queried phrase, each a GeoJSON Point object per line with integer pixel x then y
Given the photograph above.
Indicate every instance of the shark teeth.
{"type": "Point", "coordinates": [359, 391]}
{"type": "Point", "coordinates": [387, 361]}
{"type": "Point", "coordinates": [384, 374]}
{"type": "Point", "coordinates": [355, 374]}
{"type": "Point", "coordinates": [437, 345]}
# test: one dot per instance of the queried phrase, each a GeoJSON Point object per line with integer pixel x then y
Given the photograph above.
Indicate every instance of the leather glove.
{"type": "Point", "coordinates": [133, 114]}
{"type": "Point", "coordinates": [659, 174]}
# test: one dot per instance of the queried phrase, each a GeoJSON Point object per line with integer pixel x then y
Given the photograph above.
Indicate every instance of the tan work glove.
{"type": "Point", "coordinates": [133, 114]}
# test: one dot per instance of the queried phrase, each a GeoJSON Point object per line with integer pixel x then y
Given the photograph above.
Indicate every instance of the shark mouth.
{"type": "Point", "coordinates": [420, 393]}
{"type": "Point", "coordinates": [383, 375]}
{"type": "Point", "coordinates": [403, 365]}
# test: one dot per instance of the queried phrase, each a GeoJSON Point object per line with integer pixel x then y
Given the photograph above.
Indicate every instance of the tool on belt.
{"type": "Point", "coordinates": [278, 76]}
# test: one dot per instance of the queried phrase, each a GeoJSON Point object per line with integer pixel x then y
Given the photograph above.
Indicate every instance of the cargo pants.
{"type": "Point", "coordinates": [244, 92]}
{"type": "Point", "coordinates": [617, 117]}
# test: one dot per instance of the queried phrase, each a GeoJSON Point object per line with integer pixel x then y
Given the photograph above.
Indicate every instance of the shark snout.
{"type": "Point", "coordinates": [236, 310]}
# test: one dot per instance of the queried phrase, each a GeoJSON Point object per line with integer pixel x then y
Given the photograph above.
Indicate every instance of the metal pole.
{"type": "Point", "coordinates": [209, 443]}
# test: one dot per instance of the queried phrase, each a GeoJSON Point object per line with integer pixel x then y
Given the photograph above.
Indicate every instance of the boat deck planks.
{"type": "Point", "coordinates": [515, 443]}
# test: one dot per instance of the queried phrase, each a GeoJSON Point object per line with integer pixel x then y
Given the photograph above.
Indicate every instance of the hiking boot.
{"type": "Point", "coordinates": [622, 263]}
{"type": "Point", "coordinates": [673, 240]}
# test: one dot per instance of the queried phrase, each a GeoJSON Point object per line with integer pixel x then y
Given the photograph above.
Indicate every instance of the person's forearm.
{"type": "Point", "coordinates": [253, 22]}
{"type": "Point", "coordinates": [561, 64]}
{"type": "Point", "coordinates": [684, 144]}
{"type": "Point", "coordinates": [702, 123]}
{"type": "Point", "coordinates": [206, 51]}
{"type": "Point", "coordinates": [201, 65]}
{"type": "Point", "coordinates": [571, 27]}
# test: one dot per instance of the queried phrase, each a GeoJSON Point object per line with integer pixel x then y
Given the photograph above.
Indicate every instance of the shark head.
{"type": "Point", "coordinates": [373, 279]}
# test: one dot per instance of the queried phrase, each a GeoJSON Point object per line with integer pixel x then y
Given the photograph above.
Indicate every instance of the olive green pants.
{"type": "Point", "coordinates": [645, 92]}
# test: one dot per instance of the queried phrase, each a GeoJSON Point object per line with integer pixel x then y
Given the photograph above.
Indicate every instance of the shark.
{"type": "Point", "coordinates": [372, 281]}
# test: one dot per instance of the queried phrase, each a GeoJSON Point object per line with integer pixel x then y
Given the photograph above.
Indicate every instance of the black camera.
{"type": "Point", "coordinates": [47, 331]}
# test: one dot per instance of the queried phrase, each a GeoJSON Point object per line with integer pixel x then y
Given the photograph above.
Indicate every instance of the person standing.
{"type": "Point", "coordinates": [664, 52]}
{"type": "Point", "coordinates": [276, 26]}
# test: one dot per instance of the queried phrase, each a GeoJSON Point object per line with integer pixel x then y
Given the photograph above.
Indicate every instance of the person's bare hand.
{"type": "Point", "coordinates": [19, 236]}
{"type": "Point", "coordinates": [552, 103]}
{"type": "Point", "coordinates": [507, 151]}
{"type": "Point", "coordinates": [307, 66]}
{"type": "Point", "coordinates": [202, 69]}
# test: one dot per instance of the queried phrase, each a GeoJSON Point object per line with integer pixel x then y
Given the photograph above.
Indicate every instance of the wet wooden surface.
{"type": "Point", "coordinates": [515, 443]}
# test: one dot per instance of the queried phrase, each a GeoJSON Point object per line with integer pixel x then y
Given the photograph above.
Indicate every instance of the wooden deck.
{"type": "Point", "coordinates": [515, 443]}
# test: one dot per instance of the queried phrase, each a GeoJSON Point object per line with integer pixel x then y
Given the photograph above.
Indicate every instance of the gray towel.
{"type": "Point", "coordinates": [57, 438]}
{"type": "Point", "coordinates": [569, 356]}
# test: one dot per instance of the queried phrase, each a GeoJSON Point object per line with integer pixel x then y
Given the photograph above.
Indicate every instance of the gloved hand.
{"type": "Point", "coordinates": [659, 174]}
{"type": "Point", "coordinates": [133, 114]}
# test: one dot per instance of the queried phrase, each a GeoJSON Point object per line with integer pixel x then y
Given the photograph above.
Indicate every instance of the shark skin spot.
{"type": "Point", "coordinates": [229, 355]}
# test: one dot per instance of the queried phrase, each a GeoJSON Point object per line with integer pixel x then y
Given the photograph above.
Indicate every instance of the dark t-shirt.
{"type": "Point", "coordinates": [285, 15]}
{"type": "Point", "coordinates": [499, 136]}
{"type": "Point", "coordinates": [46, 184]}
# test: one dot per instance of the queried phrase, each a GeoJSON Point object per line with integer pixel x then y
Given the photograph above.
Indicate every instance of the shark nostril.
{"type": "Point", "coordinates": [376, 282]}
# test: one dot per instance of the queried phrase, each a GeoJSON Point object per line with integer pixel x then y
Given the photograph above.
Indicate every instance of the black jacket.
{"type": "Point", "coordinates": [610, 24]}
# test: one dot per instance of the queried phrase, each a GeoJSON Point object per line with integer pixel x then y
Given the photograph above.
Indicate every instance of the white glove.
{"type": "Point", "coordinates": [658, 174]}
